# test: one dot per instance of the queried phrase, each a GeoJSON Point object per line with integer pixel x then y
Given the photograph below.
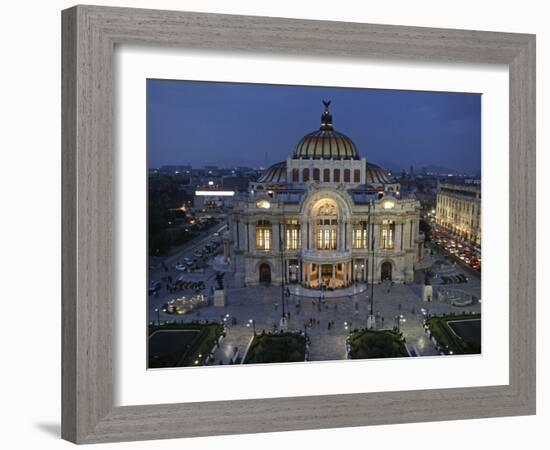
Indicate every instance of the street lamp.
{"type": "Point", "coordinates": [347, 326]}
{"type": "Point", "coordinates": [158, 316]}
{"type": "Point", "coordinates": [371, 320]}
{"type": "Point", "coordinates": [284, 319]}
{"type": "Point", "coordinates": [397, 321]}
{"type": "Point", "coordinates": [253, 323]}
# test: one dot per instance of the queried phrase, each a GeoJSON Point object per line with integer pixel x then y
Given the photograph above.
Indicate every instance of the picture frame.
{"type": "Point", "coordinates": [89, 37]}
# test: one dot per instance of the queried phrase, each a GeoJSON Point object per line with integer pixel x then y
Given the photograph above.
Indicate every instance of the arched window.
{"type": "Point", "coordinates": [263, 235]}
{"type": "Point", "coordinates": [305, 175]}
{"type": "Point", "coordinates": [326, 226]}
{"type": "Point", "coordinates": [295, 175]}
{"type": "Point", "coordinates": [336, 175]}
{"type": "Point", "coordinates": [326, 175]}
{"type": "Point", "coordinates": [346, 176]}
{"type": "Point", "coordinates": [356, 176]}
{"type": "Point", "coordinates": [316, 175]}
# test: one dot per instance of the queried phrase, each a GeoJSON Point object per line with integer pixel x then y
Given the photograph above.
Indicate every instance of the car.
{"type": "Point", "coordinates": [198, 254]}
{"type": "Point", "coordinates": [181, 267]}
{"type": "Point", "coordinates": [154, 286]}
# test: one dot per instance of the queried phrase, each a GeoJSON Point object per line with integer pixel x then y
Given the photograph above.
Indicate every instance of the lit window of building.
{"type": "Point", "coordinates": [263, 235]}
{"type": "Point", "coordinates": [387, 233]}
{"type": "Point", "coordinates": [326, 234]}
{"type": "Point", "coordinates": [292, 234]}
{"type": "Point", "coordinates": [360, 234]}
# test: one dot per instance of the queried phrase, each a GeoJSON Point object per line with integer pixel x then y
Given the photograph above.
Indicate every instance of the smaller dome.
{"type": "Point", "coordinates": [376, 175]}
{"type": "Point", "coordinates": [275, 174]}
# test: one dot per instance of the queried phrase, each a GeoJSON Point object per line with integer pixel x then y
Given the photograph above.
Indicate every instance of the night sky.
{"type": "Point", "coordinates": [233, 124]}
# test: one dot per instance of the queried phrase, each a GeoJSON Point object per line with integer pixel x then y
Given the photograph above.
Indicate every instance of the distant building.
{"type": "Point", "coordinates": [458, 210]}
{"type": "Point", "coordinates": [212, 196]}
{"type": "Point", "coordinates": [212, 170]}
{"type": "Point", "coordinates": [174, 170]}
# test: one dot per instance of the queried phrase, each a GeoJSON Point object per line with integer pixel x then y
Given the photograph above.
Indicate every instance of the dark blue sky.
{"type": "Point", "coordinates": [228, 124]}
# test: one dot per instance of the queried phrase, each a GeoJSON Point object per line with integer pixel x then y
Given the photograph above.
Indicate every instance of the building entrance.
{"type": "Point", "coordinates": [386, 271]}
{"type": "Point", "coordinates": [265, 273]}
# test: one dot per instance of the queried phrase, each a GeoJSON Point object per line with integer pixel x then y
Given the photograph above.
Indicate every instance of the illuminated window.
{"type": "Point", "coordinates": [326, 175]}
{"type": "Point", "coordinates": [356, 176]}
{"type": "Point", "coordinates": [360, 234]}
{"type": "Point", "coordinates": [292, 234]}
{"type": "Point", "coordinates": [326, 234]}
{"type": "Point", "coordinates": [305, 175]}
{"type": "Point", "coordinates": [263, 235]}
{"type": "Point", "coordinates": [336, 175]}
{"type": "Point", "coordinates": [326, 239]}
{"type": "Point", "coordinates": [388, 230]}
{"type": "Point", "coordinates": [346, 175]}
{"type": "Point", "coordinates": [263, 204]}
{"type": "Point", "coordinates": [295, 175]}
{"type": "Point", "coordinates": [316, 174]}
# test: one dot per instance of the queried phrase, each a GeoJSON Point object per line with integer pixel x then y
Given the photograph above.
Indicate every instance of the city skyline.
{"type": "Point", "coordinates": [233, 124]}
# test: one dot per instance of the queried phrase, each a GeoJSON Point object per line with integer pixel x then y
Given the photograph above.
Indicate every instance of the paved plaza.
{"type": "Point", "coordinates": [313, 312]}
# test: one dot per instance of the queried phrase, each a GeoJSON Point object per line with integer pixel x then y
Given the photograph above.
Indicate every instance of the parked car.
{"type": "Point", "coordinates": [154, 286]}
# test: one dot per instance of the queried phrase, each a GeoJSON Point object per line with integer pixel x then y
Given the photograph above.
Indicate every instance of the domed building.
{"type": "Point", "coordinates": [324, 218]}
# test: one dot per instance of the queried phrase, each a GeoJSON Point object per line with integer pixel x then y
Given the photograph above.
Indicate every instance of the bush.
{"type": "Point", "coordinates": [201, 344]}
{"type": "Point", "coordinates": [276, 348]}
{"type": "Point", "coordinates": [448, 340]}
{"type": "Point", "coordinates": [376, 344]}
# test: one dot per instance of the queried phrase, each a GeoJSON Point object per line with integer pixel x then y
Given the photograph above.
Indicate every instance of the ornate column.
{"type": "Point", "coordinates": [275, 237]}
{"type": "Point", "coordinates": [345, 274]}
{"type": "Point", "coordinates": [398, 235]}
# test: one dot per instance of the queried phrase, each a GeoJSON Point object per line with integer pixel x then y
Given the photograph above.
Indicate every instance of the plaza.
{"type": "Point", "coordinates": [310, 312]}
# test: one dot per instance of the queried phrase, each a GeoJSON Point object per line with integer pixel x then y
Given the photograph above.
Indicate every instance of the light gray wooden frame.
{"type": "Point", "coordinates": [89, 36]}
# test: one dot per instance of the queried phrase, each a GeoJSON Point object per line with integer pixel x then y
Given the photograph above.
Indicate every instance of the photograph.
{"type": "Point", "coordinates": [291, 224]}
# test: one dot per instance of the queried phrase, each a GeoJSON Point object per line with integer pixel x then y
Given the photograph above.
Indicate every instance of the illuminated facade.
{"type": "Point", "coordinates": [458, 210]}
{"type": "Point", "coordinates": [324, 217]}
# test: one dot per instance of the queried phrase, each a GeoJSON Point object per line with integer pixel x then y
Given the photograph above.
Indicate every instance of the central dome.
{"type": "Point", "coordinates": [326, 143]}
